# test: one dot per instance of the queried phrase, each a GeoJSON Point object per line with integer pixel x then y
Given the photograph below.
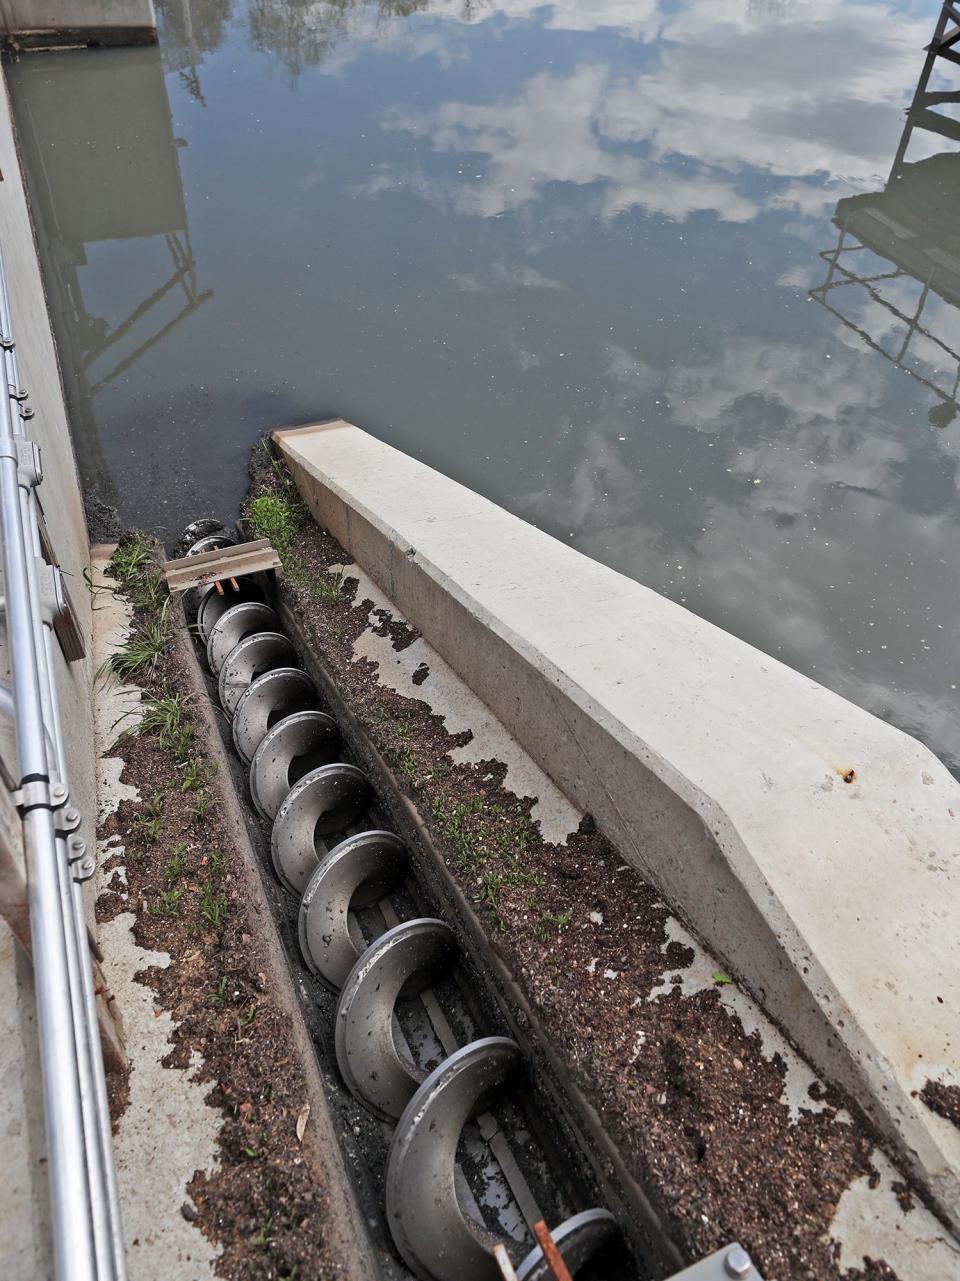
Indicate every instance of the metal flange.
{"type": "Point", "coordinates": [212, 543]}
{"type": "Point", "coordinates": [214, 604]}
{"type": "Point", "coordinates": [409, 957]}
{"type": "Point", "coordinates": [357, 872]}
{"type": "Point", "coordinates": [428, 1225]}
{"type": "Point", "coordinates": [732, 1263]}
{"type": "Point", "coordinates": [269, 699]}
{"type": "Point", "coordinates": [256, 654]}
{"type": "Point", "coordinates": [313, 739]}
{"type": "Point", "coordinates": [578, 1239]}
{"type": "Point", "coordinates": [230, 628]}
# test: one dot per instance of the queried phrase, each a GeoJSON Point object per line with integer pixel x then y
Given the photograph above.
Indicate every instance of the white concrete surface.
{"type": "Point", "coordinates": [716, 770]}
{"type": "Point", "coordinates": [167, 1131]}
{"type": "Point", "coordinates": [20, 16]}
{"type": "Point", "coordinates": [869, 1220]}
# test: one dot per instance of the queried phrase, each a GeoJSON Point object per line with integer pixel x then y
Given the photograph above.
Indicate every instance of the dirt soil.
{"type": "Point", "coordinates": [943, 1099]}
{"type": "Point", "coordinates": [689, 1099]}
{"type": "Point", "coordinates": [265, 1203]}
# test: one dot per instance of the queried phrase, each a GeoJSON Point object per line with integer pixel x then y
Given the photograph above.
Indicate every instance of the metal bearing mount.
{"type": "Point", "coordinates": [406, 959]}
{"type": "Point", "coordinates": [214, 604]}
{"type": "Point", "coordinates": [268, 699]}
{"type": "Point", "coordinates": [254, 655]}
{"type": "Point", "coordinates": [427, 1222]}
{"type": "Point", "coordinates": [231, 627]}
{"type": "Point", "coordinates": [356, 873]}
{"type": "Point", "coordinates": [578, 1239]}
{"type": "Point", "coordinates": [311, 739]}
{"type": "Point", "coordinates": [212, 543]}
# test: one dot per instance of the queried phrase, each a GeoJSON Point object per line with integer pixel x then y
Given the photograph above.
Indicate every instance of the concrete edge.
{"type": "Point", "coordinates": [682, 825]}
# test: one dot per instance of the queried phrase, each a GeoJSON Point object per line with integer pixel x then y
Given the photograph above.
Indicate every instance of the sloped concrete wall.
{"type": "Point", "coordinates": [814, 847]}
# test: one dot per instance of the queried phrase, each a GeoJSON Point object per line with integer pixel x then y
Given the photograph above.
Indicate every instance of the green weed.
{"type": "Point", "coordinates": [213, 905]}
{"type": "Point", "coordinates": [145, 647]}
{"type": "Point", "coordinates": [168, 902]}
{"type": "Point", "coordinates": [193, 778]}
{"type": "Point", "coordinates": [279, 517]}
{"type": "Point", "coordinates": [130, 558]}
{"type": "Point", "coordinates": [177, 864]}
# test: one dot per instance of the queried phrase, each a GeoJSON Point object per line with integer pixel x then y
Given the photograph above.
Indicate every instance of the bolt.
{"type": "Point", "coordinates": [77, 846]}
{"type": "Point", "coordinates": [72, 815]}
{"type": "Point", "coordinates": [737, 1262]}
{"type": "Point", "coordinates": [58, 792]}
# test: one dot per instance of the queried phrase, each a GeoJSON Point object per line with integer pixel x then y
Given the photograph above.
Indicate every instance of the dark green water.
{"type": "Point", "coordinates": [564, 253]}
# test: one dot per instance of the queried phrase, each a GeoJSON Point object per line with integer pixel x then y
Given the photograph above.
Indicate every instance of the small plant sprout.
{"type": "Point", "coordinates": [220, 991]}
{"type": "Point", "coordinates": [265, 1235]}
{"type": "Point", "coordinates": [169, 901]}
{"type": "Point", "coordinates": [202, 804]}
{"type": "Point", "coordinates": [559, 919]}
{"type": "Point", "coordinates": [213, 905]}
{"type": "Point", "coordinates": [177, 863]}
{"type": "Point", "coordinates": [151, 820]}
{"type": "Point", "coordinates": [193, 777]}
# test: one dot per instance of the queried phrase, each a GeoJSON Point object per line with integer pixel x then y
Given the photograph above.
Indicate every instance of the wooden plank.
{"type": "Point", "coordinates": [224, 562]}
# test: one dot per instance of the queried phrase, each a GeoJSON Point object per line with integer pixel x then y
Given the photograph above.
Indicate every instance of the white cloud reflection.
{"type": "Point", "coordinates": [730, 91]}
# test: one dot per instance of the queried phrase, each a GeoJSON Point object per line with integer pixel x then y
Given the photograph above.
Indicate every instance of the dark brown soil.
{"type": "Point", "coordinates": [265, 1203]}
{"type": "Point", "coordinates": [943, 1099]}
{"type": "Point", "coordinates": [690, 1100]}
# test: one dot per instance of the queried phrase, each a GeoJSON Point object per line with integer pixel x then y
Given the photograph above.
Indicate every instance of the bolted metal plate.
{"type": "Point", "coordinates": [256, 654]}
{"type": "Point", "coordinates": [427, 1223]}
{"type": "Point", "coordinates": [732, 1263]}
{"type": "Point", "coordinates": [270, 698]}
{"type": "Point", "coordinates": [210, 544]}
{"type": "Point", "coordinates": [305, 740]}
{"type": "Point", "coordinates": [578, 1239]}
{"type": "Point", "coordinates": [358, 871]}
{"type": "Point", "coordinates": [230, 628]}
{"type": "Point", "coordinates": [213, 605]}
{"type": "Point", "coordinates": [410, 957]}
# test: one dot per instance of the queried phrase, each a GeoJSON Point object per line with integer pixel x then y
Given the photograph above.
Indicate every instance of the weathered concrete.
{"type": "Point", "coordinates": [25, 1250]}
{"type": "Point", "coordinates": [90, 19]}
{"type": "Point", "coordinates": [60, 492]}
{"type": "Point", "coordinates": [718, 771]}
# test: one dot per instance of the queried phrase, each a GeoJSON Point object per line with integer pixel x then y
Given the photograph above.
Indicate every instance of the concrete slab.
{"type": "Point", "coordinates": [811, 846]}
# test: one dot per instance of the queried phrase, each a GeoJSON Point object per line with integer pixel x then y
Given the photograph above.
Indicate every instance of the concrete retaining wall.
{"type": "Point", "coordinates": [24, 1229]}
{"type": "Point", "coordinates": [91, 17]}
{"type": "Point", "coordinates": [814, 847]}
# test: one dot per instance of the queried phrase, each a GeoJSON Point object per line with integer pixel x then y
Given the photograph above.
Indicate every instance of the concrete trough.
{"type": "Point", "coordinates": [809, 844]}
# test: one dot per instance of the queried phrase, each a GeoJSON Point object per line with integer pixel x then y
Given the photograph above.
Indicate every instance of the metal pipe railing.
{"type": "Point", "coordinates": [88, 1243]}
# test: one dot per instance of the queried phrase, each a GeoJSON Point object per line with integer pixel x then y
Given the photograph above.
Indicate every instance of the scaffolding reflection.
{"type": "Point", "coordinates": [912, 225]}
{"type": "Point", "coordinates": [85, 194]}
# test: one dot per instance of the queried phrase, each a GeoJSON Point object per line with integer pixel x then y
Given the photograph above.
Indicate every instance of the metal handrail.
{"type": "Point", "coordinates": [87, 1236]}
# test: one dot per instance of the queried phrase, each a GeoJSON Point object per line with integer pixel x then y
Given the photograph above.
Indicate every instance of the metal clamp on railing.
{"type": "Point", "coordinates": [88, 1242]}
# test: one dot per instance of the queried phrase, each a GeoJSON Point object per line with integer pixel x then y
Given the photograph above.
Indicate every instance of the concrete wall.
{"type": "Point", "coordinates": [26, 16]}
{"type": "Point", "coordinates": [814, 847]}
{"type": "Point", "coordinates": [60, 492]}
{"type": "Point", "coordinates": [24, 1213]}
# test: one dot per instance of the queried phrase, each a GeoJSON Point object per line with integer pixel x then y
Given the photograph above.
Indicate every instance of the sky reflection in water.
{"type": "Point", "coordinates": [563, 253]}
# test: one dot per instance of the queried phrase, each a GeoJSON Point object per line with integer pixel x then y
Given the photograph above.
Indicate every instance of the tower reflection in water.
{"type": "Point", "coordinates": [84, 194]}
{"type": "Point", "coordinates": [899, 249]}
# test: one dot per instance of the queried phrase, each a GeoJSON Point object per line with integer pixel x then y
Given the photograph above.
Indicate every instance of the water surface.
{"type": "Point", "coordinates": [580, 256]}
